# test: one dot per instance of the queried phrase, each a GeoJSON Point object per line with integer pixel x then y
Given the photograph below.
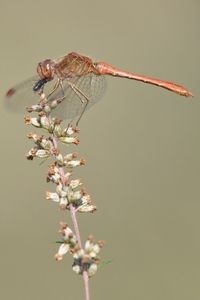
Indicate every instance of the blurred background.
{"type": "Point", "coordinates": [141, 144]}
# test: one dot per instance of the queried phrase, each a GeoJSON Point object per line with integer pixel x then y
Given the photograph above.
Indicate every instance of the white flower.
{"type": "Point", "coordinates": [42, 153]}
{"type": "Point", "coordinates": [75, 163]}
{"type": "Point", "coordinates": [75, 183]}
{"type": "Point", "coordinates": [92, 269]}
{"type": "Point", "coordinates": [63, 249]}
{"type": "Point", "coordinates": [69, 140]}
{"type": "Point", "coordinates": [52, 196]}
{"type": "Point", "coordinates": [76, 269]}
{"type": "Point", "coordinates": [87, 208]}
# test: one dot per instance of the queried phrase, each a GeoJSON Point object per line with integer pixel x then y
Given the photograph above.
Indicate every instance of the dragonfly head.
{"type": "Point", "coordinates": [45, 69]}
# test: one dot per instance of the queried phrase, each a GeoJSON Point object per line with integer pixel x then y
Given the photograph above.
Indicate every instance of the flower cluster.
{"type": "Point", "coordinates": [85, 259]}
{"type": "Point", "coordinates": [69, 193]}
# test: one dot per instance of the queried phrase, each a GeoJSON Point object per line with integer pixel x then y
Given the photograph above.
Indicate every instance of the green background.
{"type": "Point", "coordinates": [141, 144]}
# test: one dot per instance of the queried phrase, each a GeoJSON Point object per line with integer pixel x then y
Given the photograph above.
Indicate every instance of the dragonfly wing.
{"type": "Point", "coordinates": [20, 96]}
{"type": "Point", "coordinates": [91, 87]}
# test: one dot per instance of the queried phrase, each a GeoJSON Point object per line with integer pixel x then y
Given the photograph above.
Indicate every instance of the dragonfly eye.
{"type": "Point", "coordinates": [45, 69]}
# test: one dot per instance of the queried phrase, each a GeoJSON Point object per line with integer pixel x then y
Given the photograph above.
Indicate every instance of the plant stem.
{"type": "Point", "coordinates": [76, 229]}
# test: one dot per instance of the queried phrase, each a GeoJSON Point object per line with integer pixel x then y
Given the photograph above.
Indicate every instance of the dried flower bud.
{"type": "Point", "coordinates": [75, 183]}
{"type": "Point", "coordinates": [34, 108]}
{"type": "Point", "coordinates": [76, 269]}
{"type": "Point", "coordinates": [52, 196]}
{"type": "Point", "coordinates": [42, 153]}
{"type": "Point", "coordinates": [87, 208]}
{"type": "Point", "coordinates": [63, 249]}
{"type": "Point", "coordinates": [60, 159]}
{"type": "Point", "coordinates": [70, 156]}
{"type": "Point", "coordinates": [75, 163]}
{"type": "Point", "coordinates": [58, 130]}
{"type": "Point", "coordinates": [32, 121]}
{"type": "Point", "coordinates": [46, 122]}
{"type": "Point", "coordinates": [63, 203]}
{"type": "Point", "coordinates": [69, 140]}
{"type": "Point", "coordinates": [92, 269]}
{"type": "Point", "coordinates": [70, 130]}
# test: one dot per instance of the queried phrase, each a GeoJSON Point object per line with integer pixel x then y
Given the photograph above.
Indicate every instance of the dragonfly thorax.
{"type": "Point", "coordinates": [74, 65]}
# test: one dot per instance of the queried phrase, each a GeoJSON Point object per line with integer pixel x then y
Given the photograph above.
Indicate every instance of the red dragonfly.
{"type": "Point", "coordinates": [77, 81]}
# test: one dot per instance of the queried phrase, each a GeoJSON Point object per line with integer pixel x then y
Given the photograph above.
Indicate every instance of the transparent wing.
{"type": "Point", "coordinates": [21, 95]}
{"type": "Point", "coordinates": [91, 87]}
{"type": "Point", "coordinates": [87, 91]}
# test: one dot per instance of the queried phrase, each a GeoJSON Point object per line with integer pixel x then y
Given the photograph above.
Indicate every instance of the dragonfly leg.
{"type": "Point", "coordinates": [56, 86]}
{"type": "Point", "coordinates": [55, 102]}
{"type": "Point", "coordinates": [83, 98]}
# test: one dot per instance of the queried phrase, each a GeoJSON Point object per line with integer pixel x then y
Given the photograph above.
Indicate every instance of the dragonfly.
{"type": "Point", "coordinates": [78, 82]}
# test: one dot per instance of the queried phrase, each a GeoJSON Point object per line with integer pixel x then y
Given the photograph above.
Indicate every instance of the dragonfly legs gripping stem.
{"type": "Point", "coordinates": [83, 98]}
